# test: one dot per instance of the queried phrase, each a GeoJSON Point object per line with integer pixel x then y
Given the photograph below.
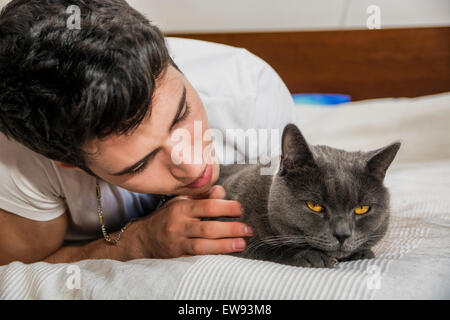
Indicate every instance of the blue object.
{"type": "Point", "coordinates": [320, 99]}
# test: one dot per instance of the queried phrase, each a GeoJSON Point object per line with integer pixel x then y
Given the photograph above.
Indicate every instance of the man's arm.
{"type": "Point", "coordinates": [129, 247]}
{"type": "Point", "coordinates": [29, 241]}
{"type": "Point", "coordinates": [171, 231]}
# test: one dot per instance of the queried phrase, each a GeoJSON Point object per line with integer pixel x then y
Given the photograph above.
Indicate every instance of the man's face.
{"type": "Point", "coordinates": [167, 171]}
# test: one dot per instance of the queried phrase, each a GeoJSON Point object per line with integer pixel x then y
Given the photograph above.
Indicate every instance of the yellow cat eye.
{"type": "Point", "coordinates": [361, 209]}
{"type": "Point", "coordinates": [314, 206]}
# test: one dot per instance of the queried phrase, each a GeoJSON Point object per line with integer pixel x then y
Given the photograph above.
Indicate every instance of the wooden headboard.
{"type": "Point", "coordinates": [362, 63]}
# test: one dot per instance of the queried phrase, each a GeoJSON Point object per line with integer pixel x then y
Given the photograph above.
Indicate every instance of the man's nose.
{"type": "Point", "coordinates": [181, 148]}
{"type": "Point", "coordinates": [184, 165]}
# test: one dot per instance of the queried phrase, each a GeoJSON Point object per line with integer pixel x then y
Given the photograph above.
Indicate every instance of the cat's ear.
{"type": "Point", "coordinates": [295, 153]}
{"type": "Point", "coordinates": [380, 160]}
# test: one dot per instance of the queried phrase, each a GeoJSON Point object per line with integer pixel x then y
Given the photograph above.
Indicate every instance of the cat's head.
{"type": "Point", "coordinates": [333, 199]}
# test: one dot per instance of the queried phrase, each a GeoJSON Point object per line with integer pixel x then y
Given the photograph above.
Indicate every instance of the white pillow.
{"type": "Point", "coordinates": [422, 125]}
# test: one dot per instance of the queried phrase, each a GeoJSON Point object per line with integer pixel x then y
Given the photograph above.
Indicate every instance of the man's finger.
{"type": "Point", "coordinates": [217, 229]}
{"type": "Point", "coordinates": [215, 192]}
{"type": "Point", "coordinates": [219, 246]}
{"type": "Point", "coordinates": [213, 208]}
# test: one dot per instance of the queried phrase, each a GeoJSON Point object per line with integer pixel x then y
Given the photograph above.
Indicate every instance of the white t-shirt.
{"type": "Point", "coordinates": [238, 90]}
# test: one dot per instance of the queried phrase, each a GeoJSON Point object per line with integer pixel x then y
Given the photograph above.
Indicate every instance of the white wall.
{"type": "Point", "coordinates": [397, 13]}
{"type": "Point", "coordinates": [266, 15]}
{"type": "Point", "coordinates": [272, 15]}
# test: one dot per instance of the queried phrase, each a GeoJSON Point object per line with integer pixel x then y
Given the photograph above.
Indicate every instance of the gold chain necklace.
{"type": "Point", "coordinates": [107, 237]}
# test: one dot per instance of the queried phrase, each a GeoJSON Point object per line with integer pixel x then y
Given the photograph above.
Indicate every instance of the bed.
{"type": "Point", "coordinates": [412, 261]}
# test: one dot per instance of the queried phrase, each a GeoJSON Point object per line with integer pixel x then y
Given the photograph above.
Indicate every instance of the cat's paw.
{"type": "Point", "coordinates": [313, 259]}
{"type": "Point", "coordinates": [359, 255]}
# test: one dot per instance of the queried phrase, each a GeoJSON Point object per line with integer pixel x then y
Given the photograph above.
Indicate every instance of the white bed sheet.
{"type": "Point", "coordinates": [413, 260]}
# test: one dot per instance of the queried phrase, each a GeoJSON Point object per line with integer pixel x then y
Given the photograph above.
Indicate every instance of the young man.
{"type": "Point", "coordinates": [86, 120]}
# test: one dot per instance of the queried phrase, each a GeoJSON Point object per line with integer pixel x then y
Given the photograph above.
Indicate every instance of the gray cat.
{"type": "Point", "coordinates": [321, 206]}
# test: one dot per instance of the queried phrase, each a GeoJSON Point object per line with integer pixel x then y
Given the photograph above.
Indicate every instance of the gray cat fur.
{"type": "Point", "coordinates": [285, 229]}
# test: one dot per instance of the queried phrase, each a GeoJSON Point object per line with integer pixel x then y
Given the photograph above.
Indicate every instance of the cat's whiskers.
{"type": "Point", "coordinates": [251, 249]}
{"type": "Point", "coordinates": [319, 240]}
{"type": "Point", "coordinates": [276, 242]}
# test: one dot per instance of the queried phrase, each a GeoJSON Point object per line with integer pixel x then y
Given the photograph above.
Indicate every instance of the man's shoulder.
{"type": "Point", "coordinates": [11, 152]}
{"type": "Point", "coordinates": [15, 155]}
{"type": "Point", "coordinates": [22, 168]}
{"type": "Point", "coordinates": [29, 183]}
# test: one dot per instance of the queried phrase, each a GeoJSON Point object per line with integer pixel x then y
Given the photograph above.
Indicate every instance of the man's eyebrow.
{"type": "Point", "coordinates": [144, 159]}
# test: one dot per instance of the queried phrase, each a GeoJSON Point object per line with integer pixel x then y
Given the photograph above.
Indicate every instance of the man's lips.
{"type": "Point", "coordinates": [203, 179]}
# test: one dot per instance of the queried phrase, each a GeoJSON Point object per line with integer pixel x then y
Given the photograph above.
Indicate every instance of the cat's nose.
{"type": "Point", "coordinates": [342, 236]}
{"type": "Point", "coordinates": [342, 229]}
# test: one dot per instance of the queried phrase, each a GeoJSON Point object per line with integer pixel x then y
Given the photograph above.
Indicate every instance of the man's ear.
{"type": "Point", "coordinates": [68, 166]}
{"type": "Point", "coordinates": [65, 165]}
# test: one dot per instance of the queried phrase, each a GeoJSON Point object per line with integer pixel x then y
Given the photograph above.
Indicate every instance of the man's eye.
{"type": "Point", "coordinates": [139, 169]}
{"type": "Point", "coordinates": [187, 111]}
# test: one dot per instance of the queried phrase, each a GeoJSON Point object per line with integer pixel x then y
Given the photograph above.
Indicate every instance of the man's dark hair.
{"type": "Point", "coordinates": [61, 86]}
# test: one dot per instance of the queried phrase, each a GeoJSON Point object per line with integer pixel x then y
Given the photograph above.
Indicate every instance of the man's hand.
{"type": "Point", "coordinates": [173, 230]}
{"type": "Point", "coordinates": [176, 228]}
